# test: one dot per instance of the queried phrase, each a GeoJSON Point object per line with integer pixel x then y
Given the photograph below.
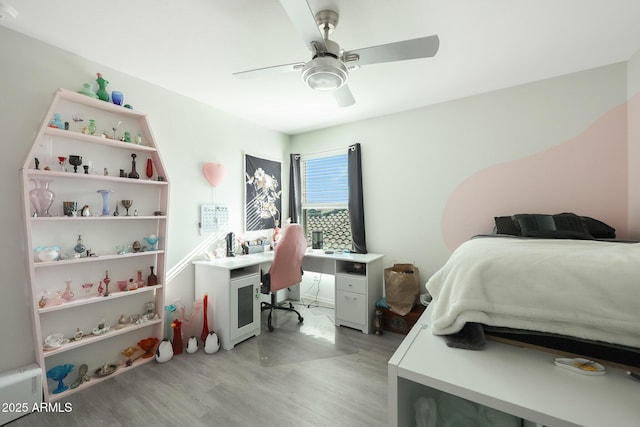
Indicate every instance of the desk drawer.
{"type": "Point", "coordinates": [351, 283]}
{"type": "Point", "coordinates": [351, 307]}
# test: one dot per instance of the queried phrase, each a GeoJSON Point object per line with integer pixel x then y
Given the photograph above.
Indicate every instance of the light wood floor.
{"type": "Point", "coordinates": [313, 374]}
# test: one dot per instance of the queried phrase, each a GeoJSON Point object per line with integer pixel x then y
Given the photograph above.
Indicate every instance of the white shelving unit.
{"type": "Point", "coordinates": [106, 236]}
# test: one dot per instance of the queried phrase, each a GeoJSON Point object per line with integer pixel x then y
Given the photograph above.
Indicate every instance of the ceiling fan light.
{"type": "Point", "coordinates": [325, 73]}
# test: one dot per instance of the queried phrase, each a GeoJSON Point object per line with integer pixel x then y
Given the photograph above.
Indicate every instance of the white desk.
{"type": "Point", "coordinates": [233, 285]}
{"type": "Point", "coordinates": [515, 380]}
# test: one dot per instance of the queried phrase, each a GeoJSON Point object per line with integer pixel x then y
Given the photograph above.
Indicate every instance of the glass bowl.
{"type": "Point", "coordinates": [46, 253]}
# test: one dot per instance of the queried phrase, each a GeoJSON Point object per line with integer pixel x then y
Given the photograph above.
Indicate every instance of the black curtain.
{"type": "Point", "coordinates": [295, 189]}
{"type": "Point", "coordinates": [356, 200]}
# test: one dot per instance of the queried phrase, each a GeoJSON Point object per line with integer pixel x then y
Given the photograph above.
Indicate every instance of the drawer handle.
{"type": "Point", "coordinates": [348, 297]}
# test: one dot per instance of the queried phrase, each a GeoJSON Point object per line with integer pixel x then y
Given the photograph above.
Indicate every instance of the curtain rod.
{"type": "Point", "coordinates": [327, 152]}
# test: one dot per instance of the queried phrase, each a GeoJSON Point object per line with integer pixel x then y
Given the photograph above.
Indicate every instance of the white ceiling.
{"type": "Point", "coordinates": [192, 48]}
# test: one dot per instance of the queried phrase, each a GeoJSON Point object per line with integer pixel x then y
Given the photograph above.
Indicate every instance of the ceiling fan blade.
{"type": "Point", "coordinates": [344, 97]}
{"type": "Point", "coordinates": [269, 71]}
{"type": "Point", "coordinates": [423, 47]}
{"type": "Point", "coordinates": [305, 22]}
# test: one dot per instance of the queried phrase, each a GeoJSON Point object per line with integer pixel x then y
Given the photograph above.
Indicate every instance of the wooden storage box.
{"type": "Point", "coordinates": [401, 324]}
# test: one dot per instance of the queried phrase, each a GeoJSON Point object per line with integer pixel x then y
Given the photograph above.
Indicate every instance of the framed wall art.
{"type": "Point", "coordinates": [262, 201]}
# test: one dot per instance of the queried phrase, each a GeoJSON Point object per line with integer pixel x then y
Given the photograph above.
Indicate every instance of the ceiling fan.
{"type": "Point", "coordinates": [328, 69]}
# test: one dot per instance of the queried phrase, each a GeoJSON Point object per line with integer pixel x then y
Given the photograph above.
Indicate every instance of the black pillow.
{"type": "Point", "coordinates": [599, 229]}
{"type": "Point", "coordinates": [572, 223]}
{"type": "Point", "coordinates": [506, 225]}
{"type": "Point", "coordinates": [561, 226]}
{"type": "Point", "coordinates": [531, 225]}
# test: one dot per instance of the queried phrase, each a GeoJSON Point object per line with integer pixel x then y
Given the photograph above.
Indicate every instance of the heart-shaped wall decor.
{"type": "Point", "coordinates": [214, 172]}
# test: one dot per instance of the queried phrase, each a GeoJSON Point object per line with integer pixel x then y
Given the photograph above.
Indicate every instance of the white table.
{"type": "Point", "coordinates": [518, 381]}
{"type": "Point", "coordinates": [233, 286]}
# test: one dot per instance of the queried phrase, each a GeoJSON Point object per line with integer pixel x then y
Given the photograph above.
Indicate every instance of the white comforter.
{"type": "Point", "coordinates": [578, 288]}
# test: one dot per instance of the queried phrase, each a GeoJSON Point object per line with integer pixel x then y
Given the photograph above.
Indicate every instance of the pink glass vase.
{"type": "Point", "coordinates": [140, 280]}
{"type": "Point", "coordinates": [41, 197]}
{"type": "Point", "coordinates": [68, 293]}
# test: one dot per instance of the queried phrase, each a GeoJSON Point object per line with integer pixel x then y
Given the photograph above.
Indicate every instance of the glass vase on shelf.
{"type": "Point", "coordinates": [41, 197]}
{"type": "Point", "coordinates": [139, 279]}
{"type": "Point", "coordinates": [79, 248]}
{"type": "Point", "coordinates": [68, 293]}
{"type": "Point", "coordinates": [92, 127]}
{"type": "Point", "coordinates": [152, 279]}
{"type": "Point", "coordinates": [133, 174]}
{"type": "Point", "coordinates": [105, 201]}
{"type": "Point", "coordinates": [102, 88]}
{"type": "Point", "coordinates": [149, 170]}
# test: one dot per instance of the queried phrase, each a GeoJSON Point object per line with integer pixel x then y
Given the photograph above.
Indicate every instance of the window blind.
{"type": "Point", "coordinates": [326, 182]}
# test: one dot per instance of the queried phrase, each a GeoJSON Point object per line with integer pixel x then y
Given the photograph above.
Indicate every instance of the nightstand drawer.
{"type": "Point", "coordinates": [351, 283]}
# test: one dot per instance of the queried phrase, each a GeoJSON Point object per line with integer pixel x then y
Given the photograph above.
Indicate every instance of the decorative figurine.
{"type": "Point", "coordinates": [85, 211]}
{"type": "Point", "coordinates": [102, 88]}
{"type": "Point", "coordinates": [136, 246]}
{"type": "Point", "coordinates": [212, 344]}
{"type": "Point", "coordinates": [78, 334]}
{"type": "Point", "coordinates": [56, 122]}
{"type": "Point", "coordinates": [82, 376]}
{"type": "Point", "coordinates": [164, 353]}
{"type": "Point", "coordinates": [378, 322]}
{"type": "Point", "coordinates": [192, 345]}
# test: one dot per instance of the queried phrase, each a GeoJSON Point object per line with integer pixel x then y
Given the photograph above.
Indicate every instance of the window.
{"type": "Point", "coordinates": [325, 199]}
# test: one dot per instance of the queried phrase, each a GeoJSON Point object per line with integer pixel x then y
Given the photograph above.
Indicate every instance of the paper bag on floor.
{"type": "Point", "coordinates": [402, 287]}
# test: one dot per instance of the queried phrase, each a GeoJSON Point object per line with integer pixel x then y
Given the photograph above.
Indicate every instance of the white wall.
{"type": "Point", "coordinates": [188, 134]}
{"type": "Point", "coordinates": [414, 161]}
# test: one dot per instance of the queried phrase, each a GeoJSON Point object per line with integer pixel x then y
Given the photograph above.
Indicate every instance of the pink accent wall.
{"type": "Point", "coordinates": [633, 111]}
{"type": "Point", "coordinates": [586, 175]}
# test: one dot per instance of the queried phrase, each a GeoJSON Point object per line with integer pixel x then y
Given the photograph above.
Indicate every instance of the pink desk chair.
{"type": "Point", "coordinates": [286, 268]}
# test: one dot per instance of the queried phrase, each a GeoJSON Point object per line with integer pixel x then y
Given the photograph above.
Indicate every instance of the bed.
{"type": "Point", "coordinates": [561, 282]}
